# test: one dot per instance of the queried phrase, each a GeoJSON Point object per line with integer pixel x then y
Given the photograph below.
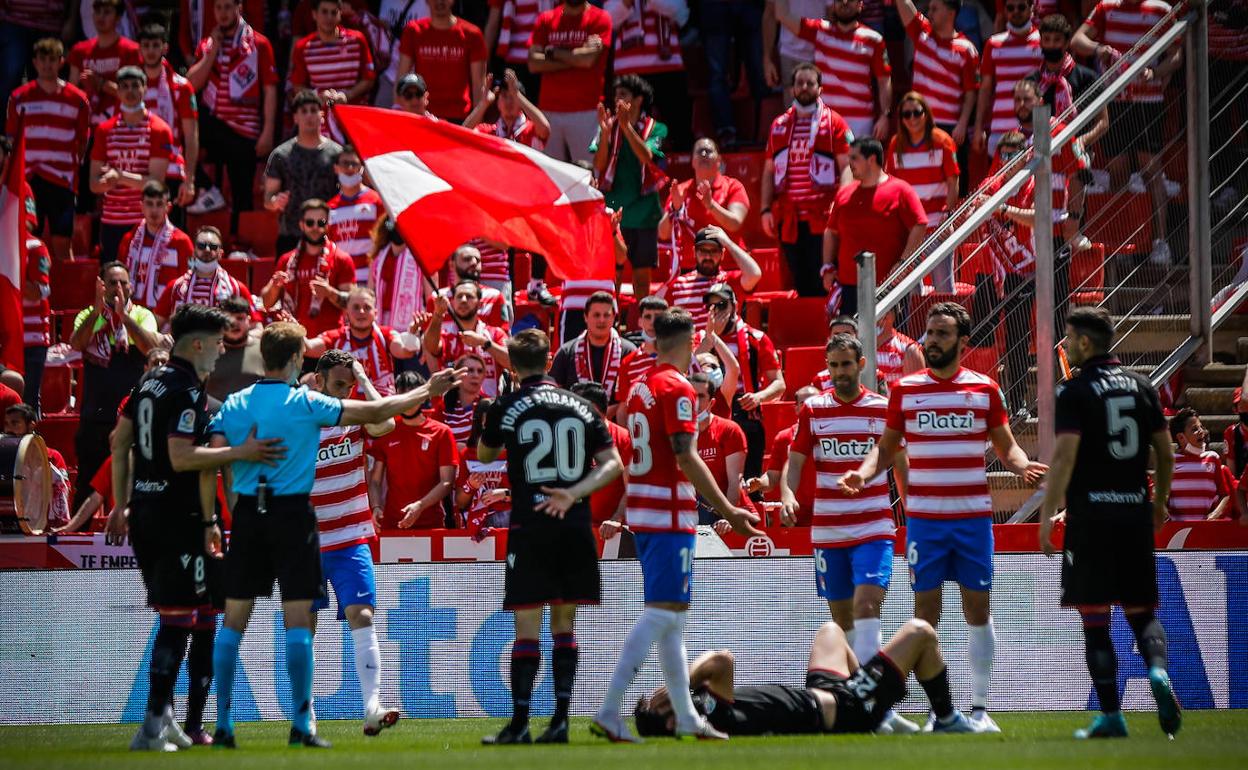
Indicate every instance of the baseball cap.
{"type": "Point", "coordinates": [410, 80]}
{"type": "Point", "coordinates": [722, 290]}
{"type": "Point", "coordinates": [705, 235]}
{"type": "Point", "coordinates": [131, 72]}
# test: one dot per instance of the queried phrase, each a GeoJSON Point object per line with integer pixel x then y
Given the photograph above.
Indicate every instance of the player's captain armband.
{"type": "Point", "coordinates": [186, 422]}
{"type": "Point", "coordinates": [684, 409]}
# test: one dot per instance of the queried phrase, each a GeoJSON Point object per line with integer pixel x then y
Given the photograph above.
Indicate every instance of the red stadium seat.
{"type": "Point", "coordinates": [800, 367]}
{"type": "Point", "coordinates": [777, 416]}
{"type": "Point", "coordinates": [81, 242]}
{"type": "Point", "coordinates": [1087, 275]}
{"type": "Point", "coordinates": [239, 268]}
{"type": "Point", "coordinates": [218, 219]}
{"type": "Point", "coordinates": [58, 433]}
{"type": "Point", "coordinates": [798, 322]}
{"type": "Point", "coordinates": [261, 272]}
{"type": "Point", "coordinates": [73, 284]}
{"type": "Point", "coordinates": [56, 387]}
{"type": "Point", "coordinates": [984, 360]}
{"type": "Point", "coordinates": [1120, 218]}
{"type": "Point", "coordinates": [521, 270]}
{"type": "Point", "coordinates": [257, 231]}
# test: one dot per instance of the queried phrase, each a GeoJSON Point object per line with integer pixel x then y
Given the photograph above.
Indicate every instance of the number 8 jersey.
{"type": "Point", "coordinates": [169, 402]}
{"type": "Point", "coordinates": [660, 498]}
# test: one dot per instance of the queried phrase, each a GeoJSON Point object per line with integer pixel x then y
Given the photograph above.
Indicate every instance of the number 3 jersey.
{"type": "Point", "coordinates": [168, 402]}
{"type": "Point", "coordinates": [551, 437]}
{"type": "Point", "coordinates": [660, 498]}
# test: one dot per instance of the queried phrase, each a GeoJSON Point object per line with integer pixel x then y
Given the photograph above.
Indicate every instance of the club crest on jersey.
{"type": "Point", "coordinates": [186, 421]}
{"type": "Point", "coordinates": [684, 409]}
{"type": "Point", "coordinates": [842, 449]}
{"type": "Point", "coordinates": [932, 420]}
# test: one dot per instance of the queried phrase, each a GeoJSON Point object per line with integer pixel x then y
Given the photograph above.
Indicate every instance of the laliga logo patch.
{"type": "Point", "coordinates": [684, 409]}
{"type": "Point", "coordinates": [759, 546]}
{"type": "Point", "coordinates": [186, 422]}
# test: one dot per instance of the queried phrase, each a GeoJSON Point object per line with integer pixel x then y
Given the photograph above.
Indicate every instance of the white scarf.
{"type": "Point", "coordinates": [145, 265]}
{"type": "Point", "coordinates": [245, 70]}
{"type": "Point", "coordinates": [192, 289]}
{"type": "Point", "coordinates": [164, 97]}
{"type": "Point", "coordinates": [501, 128]}
{"type": "Point", "coordinates": [610, 361]}
{"type": "Point", "coordinates": [401, 298]}
{"type": "Point", "coordinates": [110, 337]}
{"type": "Point", "coordinates": [377, 358]}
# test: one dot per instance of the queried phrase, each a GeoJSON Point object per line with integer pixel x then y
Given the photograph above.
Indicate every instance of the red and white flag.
{"type": "Point", "coordinates": [447, 185]}
{"type": "Point", "coordinates": [13, 257]}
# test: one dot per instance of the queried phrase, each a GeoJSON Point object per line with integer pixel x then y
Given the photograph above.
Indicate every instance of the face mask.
{"type": "Point", "coordinates": [131, 109]}
{"type": "Point", "coordinates": [648, 338]}
{"type": "Point", "coordinates": [1053, 55]}
{"type": "Point", "coordinates": [350, 180]}
{"type": "Point", "coordinates": [201, 266]}
{"type": "Point", "coordinates": [879, 331]}
{"type": "Point", "coordinates": [716, 376]}
{"type": "Point", "coordinates": [703, 416]}
{"type": "Point", "coordinates": [1019, 30]}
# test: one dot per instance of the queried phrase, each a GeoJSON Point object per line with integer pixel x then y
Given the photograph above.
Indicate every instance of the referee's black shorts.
{"type": "Point", "coordinates": [1107, 556]}
{"type": "Point", "coordinates": [551, 565]}
{"type": "Point", "coordinates": [169, 547]}
{"type": "Point", "coordinates": [280, 544]}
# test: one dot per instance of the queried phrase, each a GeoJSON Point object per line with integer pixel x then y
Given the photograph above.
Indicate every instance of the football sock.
{"type": "Point", "coordinates": [224, 664]}
{"type": "Point", "coordinates": [938, 694]}
{"type": "Point", "coordinates": [299, 666]}
{"type": "Point", "coordinates": [636, 649]}
{"type": "Point", "coordinates": [526, 657]}
{"type": "Point", "coordinates": [367, 664]}
{"type": "Point", "coordinates": [1098, 650]}
{"type": "Point", "coordinates": [1151, 638]}
{"type": "Point", "coordinates": [982, 647]}
{"type": "Point", "coordinates": [866, 640]}
{"type": "Point", "coordinates": [674, 661]}
{"type": "Point", "coordinates": [167, 653]}
{"type": "Point", "coordinates": [563, 663]}
{"type": "Point", "coordinates": [199, 670]}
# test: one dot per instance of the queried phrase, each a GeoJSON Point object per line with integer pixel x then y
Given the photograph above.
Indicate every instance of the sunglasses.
{"type": "Point", "coordinates": [349, 163]}
{"type": "Point", "coordinates": [208, 246]}
{"type": "Point", "coordinates": [1019, 7]}
{"type": "Point", "coordinates": [716, 305]}
{"type": "Point", "coordinates": [907, 114]}
{"type": "Point", "coordinates": [315, 222]}
{"type": "Point", "coordinates": [412, 93]}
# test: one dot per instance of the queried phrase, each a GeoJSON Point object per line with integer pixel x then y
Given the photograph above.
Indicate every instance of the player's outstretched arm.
{"type": "Point", "coordinates": [1162, 476]}
{"type": "Point", "coordinates": [879, 460]}
{"type": "Point", "coordinates": [185, 455]}
{"type": "Point", "coordinates": [699, 475]}
{"type": "Point", "coordinates": [356, 412]}
{"type": "Point", "coordinates": [607, 467]}
{"type": "Point", "coordinates": [1055, 485]}
{"type": "Point", "coordinates": [1013, 456]}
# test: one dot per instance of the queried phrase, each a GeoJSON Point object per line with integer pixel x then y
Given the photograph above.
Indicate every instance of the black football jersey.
{"type": "Point", "coordinates": [769, 709]}
{"type": "Point", "coordinates": [551, 437]}
{"type": "Point", "coordinates": [1115, 412]}
{"type": "Point", "coordinates": [169, 402]}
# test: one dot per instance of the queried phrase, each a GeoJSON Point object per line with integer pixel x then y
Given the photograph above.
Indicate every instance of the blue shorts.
{"type": "Point", "coordinates": [667, 565]}
{"type": "Point", "coordinates": [839, 570]}
{"type": "Point", "coordinates": [954, 549]}
{"type": "Point", "coordinates": [350, 571]}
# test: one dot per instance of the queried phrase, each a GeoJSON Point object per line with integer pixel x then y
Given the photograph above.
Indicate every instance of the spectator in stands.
{"type": "Point", "coordinates": [155, 252]}
{"type": "Point", "coordinates": [354, 211]}
{"type": "Point", "coordinates": [482, 490]}
{"type": "Point", "coordinates": [241, 364]}
{"type": "Point", "coordinates": [778, 458]}
{"type": "Point", "coordinates": [1136, 116]}
{"type": "Point", "coordinates": [946, 69]}
{"type": "Point", "coordinates": [569, 49]}
{"type": "Point", "coordinates": [205, 282]}
{"type": "Point", "coordinates": [85, 518]}
{"type": "Point", "coordinates": [787, 48]}
{"type": "Point", "coordinates": [876, 212]}
{"type": "Point", "coordinates": [760, 381]}
{"type": "Point", "coordinates": [721, 445]}
{"type": "Point", "coordinates": [417, 462]}
{"type": "Point", "coordinates": [172, 98]}
{"type": "Point", "coordinates": [709, 198]}
{"type": "Point", "coordinates": [299, 169]}
{"type": "Point", "coordinates": [375, 346]}
{"type": "Point", "coordinates": [333, 61]}
{"type": "Point", "coordinates": [93, 63]}
{"type": "Point", "coordinates": [22, 420]}
{"type": "Point", "coordinates": [688, 290]}
{"type": "Point", "coordinates": [55, 118]}
{"type": "Point", "coordinates": [394, 16]}
{"type": "Point", "coordinates": [597, 353]}
{"type": "Point", "coordinates": [729, 31]}
{"type": "Point", "coordinates": [852, 62]}
{"type": "Point", "coordinates": [458, 408]}
{"type": "Point", "coordinates": [449, 51]}
{"type": "Point", "coordinates": [646, 41]}
{"type": "Point", "coordinates": [234, 68]}
{"type": "Point", "coordinates": [1235, 437]}
{"type": "Point", "coordinates": [114, 336]}
{"type": "Point", "coordinates": [926, 158]}
{"type": "Point", "coordinates": [127, 151]}
{"type": "Point", "coordinates": [465, 265]}
{"type": "Point", "coordinates": [508, 28]}
{"type": "Point", "coordinates": [627, 151]}
{"type": "Point", "coordinates": [896, 354]}
{"type": "Point", "coordinates": [1009, 56]}
{"type": "Point", "coordinates": [518, 118]}
{"type": "Point", "coordinates": [607, 504]}
{"type": "Point", "coordinates": [36, 320]}
{"type": "Point", "coordinates": [800, 177]}
{"type": "Point", "coordinates": [413, 96]}
{"type": "Point", "coordinates": [455, 328]}
{"type": "Point", "coordinates": [197, 19]}
{"type": "Point", "coordinates": [1203, 488]}
{"type": "Point", "coordinates": [22, 24]}
{"type": "Point", "coordinates": [311, 281]}
{"type": "Point", "coordinates": [395, 276]}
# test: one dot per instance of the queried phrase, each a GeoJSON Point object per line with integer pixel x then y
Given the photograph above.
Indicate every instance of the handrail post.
{"type": "Point", "coordinates": [866, 316]}
{"type": "Point", "coordinates": [1200, 254]}
{"type": "Point", "coordinates": [1046, 302]}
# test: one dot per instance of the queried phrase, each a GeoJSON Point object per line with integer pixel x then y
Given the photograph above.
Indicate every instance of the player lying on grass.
{"type": "Point", "coordinates": [830, 702]}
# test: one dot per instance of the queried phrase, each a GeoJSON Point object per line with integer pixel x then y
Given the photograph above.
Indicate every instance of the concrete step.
{"type": "Point", "coordinates": [1147, 336]}
{"type": "Point", "coordinates": [1209, 400]}
{"type": "Point", "coordinates": [1215, 375]}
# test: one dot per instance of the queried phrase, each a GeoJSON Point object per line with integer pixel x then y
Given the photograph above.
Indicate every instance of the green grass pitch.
{"type": "Point", "coordinates": [1210, 740]}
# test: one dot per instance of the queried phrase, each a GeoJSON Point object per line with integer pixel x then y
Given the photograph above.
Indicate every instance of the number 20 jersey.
{"type": "Point", "coordinates": [169, 402]}
{"type": "Point", "coordinates": [660, 498]}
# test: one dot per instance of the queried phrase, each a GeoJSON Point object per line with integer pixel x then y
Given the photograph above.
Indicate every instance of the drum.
{"type": "Point", "coordinates": [25, 485]}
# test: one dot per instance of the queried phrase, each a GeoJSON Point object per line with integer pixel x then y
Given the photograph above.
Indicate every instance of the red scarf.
{"type": "Point", "coordinates": [376, 359]}
{"type": "Point", "coordinates": [1063, 97]}
{"type": "Point", "coordinates": [145, 264]}
{"type": "Point", "coordinates": [292, 292]}
{"type": "Point", "coordinates": [610, 361]}
{"type": "Point", "coordinates": [822, 157]}
{"type": "Point", "coordinates": [652, 177]}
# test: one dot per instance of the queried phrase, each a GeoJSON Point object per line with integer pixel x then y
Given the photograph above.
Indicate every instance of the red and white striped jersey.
{"type": "Point", "coordinates": [43, 15]}
{"type": "Point", "coordinates": [491, 308]}
{"type": "Point", "coordinates": [1008, 58]}
{"type": "Point", "coordinates": [458, 419]}
{"type": "Point", "coordinates": [56, 125]}
{"type": "Point", "coordinates": [522, 130]}
{"type": "Point", "coordinates": [633, 368]}
{"type": "Point", "coordinates": [516, 27]}
{"type": "Point", "coordinates": [338, 64]}
{"type": "Point", "coordinates": [351, 223]}
{"type": "Point", "coordinates": [453, 347]}
{"type": "Point", "coordinates": [340, 491]}
{"type": "Point", "coordinates": [243, 116]}
{"type": "Point", "coordinates": [660, 498]}
{"type": "Point", "coordinates": [944, 70]}
{"type": "Point", "coordinates": [646, 42]}
{"type": "Point", "coordinates": [1120, 24]}
{"type": "Point", "coordinates": [495, 477]}
{"type": "Point", "coordinates": [192, 288]}
{"type": "Point", "coordinates": [836, 435]}
{"type": "Point", "coordinates": [494, 262]}
{"type": "Point", "coordinates": [687, 290]}
{"type": "Point", "coordinates": [36, 313]}
{"type": "Point", "coordinates": [890, 362]}
{"type": "Point", "coordinates": [850, 62]}
{"type": "Point", "coordinates": [1200, 480]}
{"type": "Point", "coordinates": [927, 168]}
{"type": "Point", "coordinates": [172, 99]}
{"type": "Point", "coordinates": [372, 351]}
{"type": "Point", "coordinates": [576, 293]}
{"type": "Point", "coordinates": [130, 148]}
{"type": "Point", "coordinates": [104, 61]}
{"type": "Point", "coordinates": [945, 424]}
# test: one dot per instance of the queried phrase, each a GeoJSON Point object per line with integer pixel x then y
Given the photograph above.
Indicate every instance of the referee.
{"type": "Point", "coordinates": [1107, 418]}
{"type": "Point", "coordinates": [274, 530]}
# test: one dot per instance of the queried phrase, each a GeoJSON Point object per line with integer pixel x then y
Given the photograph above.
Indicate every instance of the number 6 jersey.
{"type": "Point", "coordinates": [169, 402]}
{"type": "Point", "coordinates": [551, 437]}
{"type": "Point", "coordinates": [660, 498]}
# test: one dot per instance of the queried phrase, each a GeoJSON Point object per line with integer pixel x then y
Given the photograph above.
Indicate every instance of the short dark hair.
{"type": "Point", "coordinates": [1032, 84]}
{"type": "Point", "coordinates": [154, 188]}
{"type": "Point", "coordinates": [304, 96]}
{"type": "Point", "coordinates": [1178, 423]}
{"type": "Point", "coordinates": [470, 281]}
{"type": "Point", "coordinates": [671, 323]}
{"type": "Point", "coordinates": [649, 721]}
{"type": "Point", "coordinates": [313, 204]}
{"type": "Point", "coordinates": [405, 382]}
{"type": "Point", "coordinates": [956, 312]}
{"type": "Point", "coordinates": [600, 298]}
{"type": "Point", "coordinates": [591, 392]}
{"type": "Point", "coordinates": [869, 147]}
{"type": "Point", "coordinates": [1094, 323]}
{"type": "Point", "coordinates": [637, 86]}
{"type": "Point", "coordinates": [953, 5]}
{"type": "Point", "coordinates": [347, 149]}
{"type": "Point", "coordinates": [211, 230]}
{"type": "Point", "coordinates": [235, 304]}
{"type": "Point", "coordinates": [652, 302]}
{"type": "Point", "coordinates": [844, 320]}
{"type": "Point", "coordinates": [843, 341]}
{"type": "Point", "coordinates": [197, 319]}
{"type": "Point", "coordinates": [1057, 23]}
{"type": "Point", "coordinates": [528, 350]}
{"type": "Point", "coordinates": [154, 31]}
{"type": "Point", "coordinates": [104, 268]}
{"type": "Point", "coordinates": [27, 412]}
{"type": "Point", "coordinates": [334, 357]}
{"type": "Point", "coordinates": [808, 67]}
{"type": "Point", "coordinates": [704, 378]}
